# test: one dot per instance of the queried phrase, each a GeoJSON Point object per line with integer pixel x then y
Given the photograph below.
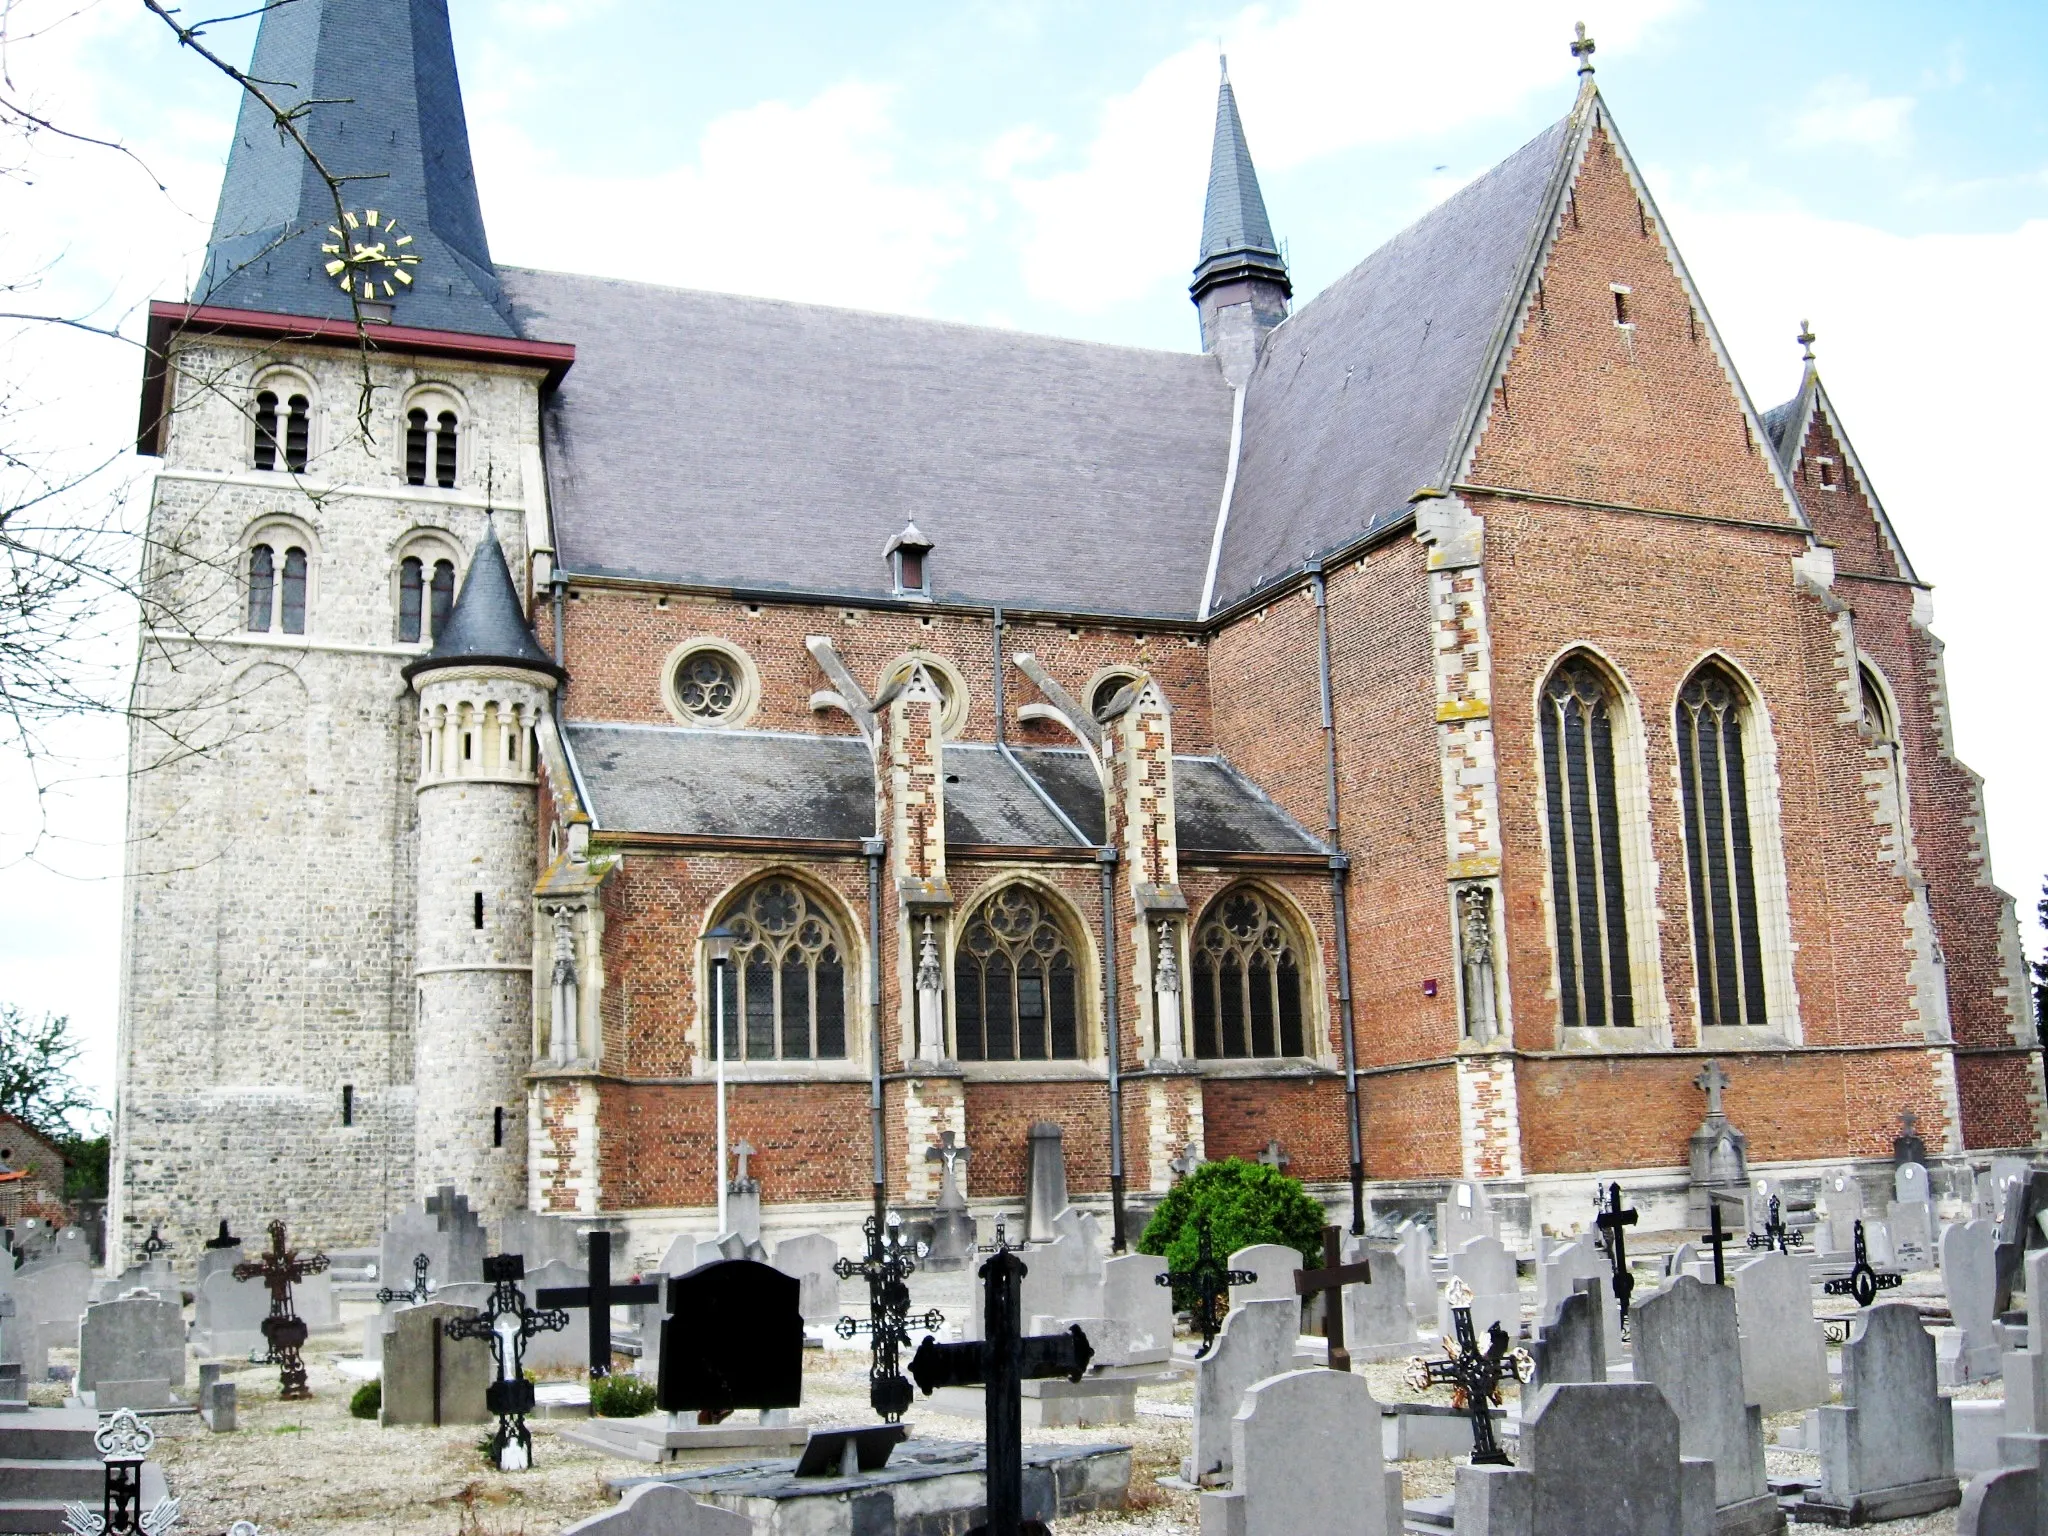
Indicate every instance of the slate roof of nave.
{"type": "Point", "coordinates": [717, 440]}
{"type": "Point", "coordinates": [726, 783]}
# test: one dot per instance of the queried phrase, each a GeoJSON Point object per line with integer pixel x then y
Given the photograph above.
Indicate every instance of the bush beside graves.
{"type": "Point", "coordinates": [368, 1400]}
{"type": "Point", "coordinates": [621, 1396]}
{"type": "Point", "coordinates": [1245, 1203]}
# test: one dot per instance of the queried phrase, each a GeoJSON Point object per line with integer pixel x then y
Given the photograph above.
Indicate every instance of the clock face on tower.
{"type": "Point", "coordinates": [370, 257]}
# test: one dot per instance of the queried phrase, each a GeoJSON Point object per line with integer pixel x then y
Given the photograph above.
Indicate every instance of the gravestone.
{"type": "Point", "coordinates": [808, 1259]}
{"type": "Point", "coordinates": [1888, 1450]}
{"type": "Point", "coordinates": [430, 1378]}
{"type": "Point", "coordinates": [743, 1196]}
{"type": "Point", "coordinates": [445, 1229]}
{"type": "Point", "coordinates": [662, 1509]}
{"type": "Point", "coordinates": [1274, 1264]}
{"type": "Point", "coordinates": [1080, 1251]}
{"type": "Point", "coordinates": [2010, 1500]}
{"type": "Point", "coordinates": [1133, 1297]}
{"type": "Point", "coordinates": [1305, 1457]}
{"type": "Point", "coordinates": [1466, 1213]}
{"type": "Point", "coordinates": [135, 1338]}
{"type": "Point", "coordinates": [1572, 1346]}
{"type": "Point", "coordinates": [1558, 1274]}
{"type": "Point", "coordinates": [560, 1349]}
{"type": "Point", "coordinates": [13, 1384]}
{"type": "Point", "coordinates": [733, 1338]}
{"type": "Point", "coordinates": [1844, 1199]}
{"type": "Point", "coordinates": [221, 1251]}
{"type": "Point", "coordinates": [154, 1276]}
{"type": "Point", "coordinates": [216, 1400]}
{"type": "Point", "coordinates": [1909, 1148]}
{"type": "Point", "coordinates": [1416, 1266]}
{"type": "Point", "coordinates": [1600, 1459]}
{"type": "Point", "coordinates": [1045, 1180]}
{"type": "Point", "coordinates": [1688, 1346]}
{"type": "Point", "coordinates": [1784, 1348]}
{"type": "Point", "coordinates": [1488, 1270]}
{"type": "Point", "coordinates": [1762, 1191]}
{"type": "Point", "coordinates": [953, 1233]}
{"type": "Point", "coordinates": [49, 1299]}
{"type": "Point", "coordinates": [1717, 1154]}
{"type": "Point", "coordinates": [1257, 1341]}
{"type": "Point", "coordinates": [680, 1257]}
{"type": "Point", "coordinates": [537, 1238]}
{"type": "Point", "coordinates": [2019, 1233]}
{"type": "Point", "coordinates": [1968, 1275]}
{"type": "Point", "coordinates": [229, 1313]}
{"type": "Point", "coordinates": [1911, 1217]}
{"type": "Point", "coordinates": [1378, 1324]}
{"type": "Point", "coordinates": [314, 1299]}
{"type": "Point", "coordinates": [2026, 1370]}
{"type": "Point", "coordinates": [1996, 1185]}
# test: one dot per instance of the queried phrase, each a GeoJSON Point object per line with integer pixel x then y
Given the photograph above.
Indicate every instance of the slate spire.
{"type": "Point", "coordinates": [383, 104]}
{"type": "Point", "coordinates": [486, 627]}
{"type": "Point", "coordinates": [1241, 283]}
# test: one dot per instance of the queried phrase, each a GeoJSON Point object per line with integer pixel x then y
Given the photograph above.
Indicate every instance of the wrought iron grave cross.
{"type": "Point", "coordinates": [1611, 1221]}
{"type": "Point", "coordinates": [890, 1260]}
{"type": "Point", "coordinates": [152, 1245]}
{"type": "Point", "coordinates": [224, 1238]}
{"type": "Point", "coordinates": [420, 1288]}
{"type": "Point", "coordinates": [1209, 1282]}
{"type": "Point", "coordinates": [280, 1268]}
{"type": "Point", "coordinates": [1862, 1281]}
{"type": "Point", "coordinates": [1718, 1238]}
{"type": "Point", "coordinates": [508, 1322]}
{"type": "Point", "coordinates": [1000, 1364]}
{"type": "Point", "coordinates": [1775, 1233]}
{"type": "Point", "coordinates": [1329, 1282]}
{"type": "Point", "coordinates": [1473, 1374]}
{"type": "Point", "coordinates": [599, 1297]}
{"type": "Point", "coordinates": [124, 1443]}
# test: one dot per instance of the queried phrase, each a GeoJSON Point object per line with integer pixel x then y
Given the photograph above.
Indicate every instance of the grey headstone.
{"type": "Point", "coordinates": [1256, 1341]}
{"type": "Point", "coordinates": [1045, 1180]}
{"type": "Point", "coordinates": [411, 1339]}
{"type": "Point", "coordinates": [1466, 1213]}
{"type": "Point", "coordinates": [809, 1257]}
{"type": "Point", "coordinates": [156, 1278]}
{"type": "Point", "coordinates": [680, 1257]}
{"type": "Point", "coordinates": [1082, 1250]}
{"type": "Point", "coordinates": [662, 1509]}
{"type": "Point", "coordinates": [135, 1338]}
{"type": "Point", "coordinates": [1784, 1348]}
{"type": "Point", "coordinates": [1558, 1275]}
{"type": "Point", "coordinates": [214, 1259]}
{"type": "Point", "coordinates": [313, 1300]}
{"type": "Point", "coordinates": [1889, 1449]}
{"type": "Point", "coordinates": [1415, 1262]}
{"type": "Point", "coordinates": [1911, 1218]}
{"type": "Point", "coordinates": [2026, 1370]}
{"type": "Point", "coordinates": [1761, 1191]}
{"type": "Point", "coordinates": [1687, 1344]}
{"type": "Point", "coordinates": [49, 1299]}
{"type": "Point", "coordinates": [743, 1212]}
{"type": "Point", "coordinates": [228, 1315]}
{"type": "Point", "coordinates": [1486, 1266]}
{"type": "Point", "coordinates": [217, 1407]}
{"type": "Point", "coordinates": [1843, 1198]}
{"type": "Point", "coordinates": [1133, 1297]}
{"type": "Point", "coordinates": [536, 1237]}
{"type": "Point", "coordinates": [1968, 1275]}
{"type": "Point", "coordinates": [450, 1235]}
{"type": "Point", "coordinates": [1376, 1314]}
{"type": "Point", "coordinates": [1275, 1265]}
{"type": "Point", "coordinates": [563, 1348]}
{"type": "Point", "coordinates": [2011, 1500]}
{"type": "Point", "coordinates": [1305, 1457]}
{"type": "Point", "coordinates": [1572, 1346]}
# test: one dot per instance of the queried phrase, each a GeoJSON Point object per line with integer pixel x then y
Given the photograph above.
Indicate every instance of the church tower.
{"type": "Point", "coordinates": [339, 408]}
{"type": "Point", "coordinates": [1241, 286]}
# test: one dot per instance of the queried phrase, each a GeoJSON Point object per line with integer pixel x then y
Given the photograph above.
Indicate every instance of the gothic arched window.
{"type": "Point", "coordinates": [785, 985]}
{"type": "Point", "coordinates": [1016, 989]}
{"type": "Point", "coordinates": [1719, 851]}
{"type": "Point", "coordinates": [1875, 709]}
{"type": "Point", "coordinates": [1581, 805]}
{"type": "Point", "coordinates": [1246, 980]}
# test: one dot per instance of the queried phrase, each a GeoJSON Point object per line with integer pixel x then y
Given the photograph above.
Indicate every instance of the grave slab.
{"type": "Point", "coordinates": [1486, 1266]}
{"type": "Point", "coordinates": [1969, 1276]}
{"type": "Point", "coordinates": [1306, 1457]}
{"type": "Point", "coordinates": [1378, 1324]}
{"type": "Point", "coordinates": [808, 1258]}
{"type": "Point", "coordinates": [1888, 1451]}
{"type": "Point", "coordinates": [1784, 1348]}
{"type": "Point", "coordinates": [228, 1315]}
{"type": "Point", "coordinates": [1133, 1297]}
{"type": "Point", "coordinates": [2013, 1499]}
{"type": "Point", "coordinates": [135, 1338]}
{"type": "Point", "coordinates": [430, 1378]}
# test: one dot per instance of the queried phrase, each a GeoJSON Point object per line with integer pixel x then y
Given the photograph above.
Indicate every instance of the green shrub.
{"type": "Point", "coordinates": [620, 1396]}
{"type": "Point", "coordinates": [368, 1400]}
{"type": "Point", "coordinates": [1244, 1203]}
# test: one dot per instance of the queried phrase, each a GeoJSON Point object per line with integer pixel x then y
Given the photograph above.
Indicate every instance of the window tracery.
{"type": "Point", "coordinates": [1245, 980]}
{"type": "Point", "coordinates": [785, 985]}
{"type": "Point", "coordinates": [1016, 988]}
{"type": "Point", "coordinates": [1720, 854]}
{"type": "Point", "coordinates": [1587, 884]}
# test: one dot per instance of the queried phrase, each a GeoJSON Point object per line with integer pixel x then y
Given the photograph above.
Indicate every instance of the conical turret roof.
{"type": "Point", "coordinates": [1237, 236]}
{"type": "Point", "coordinates": [486, 627]}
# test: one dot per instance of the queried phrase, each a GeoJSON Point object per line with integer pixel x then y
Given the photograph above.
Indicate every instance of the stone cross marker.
{"type": "Point", "coordinates": [598, 1298]}
{"type": "Point", "coordinates": [1275, 1157]}
{"type": "Point", "coordinates": [1713, 1082]}
{"type": "Point", "coordinates": [1329, 1282]}
{"type": "Point", "coordinates": [1001, 1363]}
{"type": "Point", "coordinates": [1473, 1374]}
{"type": "Point", "coordinates": [1188, 1160]}
{"type": "Point", "coordinates": [280, 1268]}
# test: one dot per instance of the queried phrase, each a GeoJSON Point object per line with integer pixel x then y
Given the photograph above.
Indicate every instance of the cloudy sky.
{"type": "Point", "coordinates": [1880, 169]}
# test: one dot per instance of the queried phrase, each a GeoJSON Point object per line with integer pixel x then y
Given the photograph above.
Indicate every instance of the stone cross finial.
{"type": "Point", "coordinates": [742, 1150]}
{"type": "Point", "coordinates": [447, 1208]}
{"type": "Point", "coordinates": [1189, 1160]}
{"type": "Point", "coordinates": [1582, 49]}
{"type": "Point", "coordinates": [1805, 339]}
{"type": "Point", "coordinates": [1712, 1081]}
{"type": "Point", "coordinates": [1275, 1157]}
{"type": "Point", "coordinates": [949, 1151]}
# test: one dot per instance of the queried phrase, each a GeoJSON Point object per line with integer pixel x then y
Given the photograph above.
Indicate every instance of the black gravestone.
{"type": "Point", "coordinates": [733, 1338]}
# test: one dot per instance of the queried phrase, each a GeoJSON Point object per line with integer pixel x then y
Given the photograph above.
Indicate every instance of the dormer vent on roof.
{"type": "Point", "coordinates": [909, 557]}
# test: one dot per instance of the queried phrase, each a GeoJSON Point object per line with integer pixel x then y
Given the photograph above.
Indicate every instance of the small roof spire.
{"type": "Point", "coordinates": [1582, 49]}
{"type": "Point", "coordinates": [1237, 235]}
{"type": "Point", "coordinates": [1805, 338]}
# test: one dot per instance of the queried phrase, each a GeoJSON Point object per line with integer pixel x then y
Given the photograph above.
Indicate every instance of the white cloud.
{"type": "Point", "coordinates": [1842, 111]}
{"type": "Point", "coordinates": [1929, 346]}
{"type": "Point", "coordinates": [1326, 77]}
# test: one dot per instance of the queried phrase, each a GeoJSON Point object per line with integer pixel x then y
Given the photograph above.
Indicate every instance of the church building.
{"type": "Point", "coordinates": [1410, 737]}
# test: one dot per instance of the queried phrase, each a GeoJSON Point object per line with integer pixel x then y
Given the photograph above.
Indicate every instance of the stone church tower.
{"type": "Point", "coordinates": [331, 817]}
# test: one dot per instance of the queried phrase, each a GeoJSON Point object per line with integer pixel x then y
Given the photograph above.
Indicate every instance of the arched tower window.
{"type": "Point", "coordinates": [262, 583]}
{"type": "Point", "coordinates": [1581, 804]}
{"type": "Point", "coordinates": [1016, 989]}
{"type": "Point", "coordinates": [277, 588]}
{"type": "Point", "coordinates": [292, 593]}
{"type": "Point", "coordinates": [284, 431]}
{"type": "Point", "coordinates": [785, 985]}
{"type": "Point", "coordinates": [432, 440]}
{"type": "Point", "coordinates": [1876, 709]}
{"type": "Point", "coordinates": [1246, 980]}
{"type": "Point", "coordinates": [424, 597]}
{"type": "Point", "coordinates": [1719, 849]}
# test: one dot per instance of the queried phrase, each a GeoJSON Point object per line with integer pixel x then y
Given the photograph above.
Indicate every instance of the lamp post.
{"type": "Point", "coordinates": [718, 948]}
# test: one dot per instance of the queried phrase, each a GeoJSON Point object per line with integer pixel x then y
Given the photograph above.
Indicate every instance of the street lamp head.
{"type": "Point", "coordinates": [718, 944]}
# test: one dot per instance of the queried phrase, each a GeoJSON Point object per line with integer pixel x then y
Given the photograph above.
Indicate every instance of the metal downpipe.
{"type": "Point", "coordinates": [1340, 866]}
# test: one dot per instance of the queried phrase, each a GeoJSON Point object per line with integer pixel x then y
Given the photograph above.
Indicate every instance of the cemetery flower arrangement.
{"type": "Point", "coordinates": [621, 1396]}
{"type": "Point", "coordinates": [1244, 1203]}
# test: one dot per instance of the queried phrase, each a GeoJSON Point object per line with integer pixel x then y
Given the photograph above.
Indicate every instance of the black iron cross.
{"type": "Point", "coordinates": [280, 1268]}
{"type": "Point", "coordinates": [600, 1296]}
{"type": "Point", "coordinates": [508, 1322]}
{"type": "Point", "coordinates": [887, 1267]}
{"type": "Point", "coordinates": [1000, 1364]}
{"type": "Point", "coordinates": [1776, 1234]}
{"type": "Point", "coordinates": [124, 1443]}
{"type": "Point", "coordinates": [1611, 1221]}
{"type": "Point", "coordinates": [152, 1245]}
{"type": "Point", "coordinates": [1210, 1282]}
{"type": "Point", "coordinates": [418, 1293]}
{"type": "Point", "coordinates": [1473, 1374]}
{"type": "Point", "coordinates": [1862, 1281]}
{"type": "Point", "coordinates": [1329, 1283]}
{"type": "Point", "coordinates": [1718, 1239]}
{"type": "Point", "coordinates": [225, 1238]}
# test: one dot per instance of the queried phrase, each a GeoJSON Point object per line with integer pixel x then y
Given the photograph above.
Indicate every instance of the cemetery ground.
{"type": "Point", "coordinates": [310, 1469]}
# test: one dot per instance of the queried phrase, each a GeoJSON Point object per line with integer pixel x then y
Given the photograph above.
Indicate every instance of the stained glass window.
{"type": "Point", "coordinates": [1586, 883]}
{"type": "Point", "coordinates": [1721, 865]}
{"type": "Point", "coordinates": [1246, 980]}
